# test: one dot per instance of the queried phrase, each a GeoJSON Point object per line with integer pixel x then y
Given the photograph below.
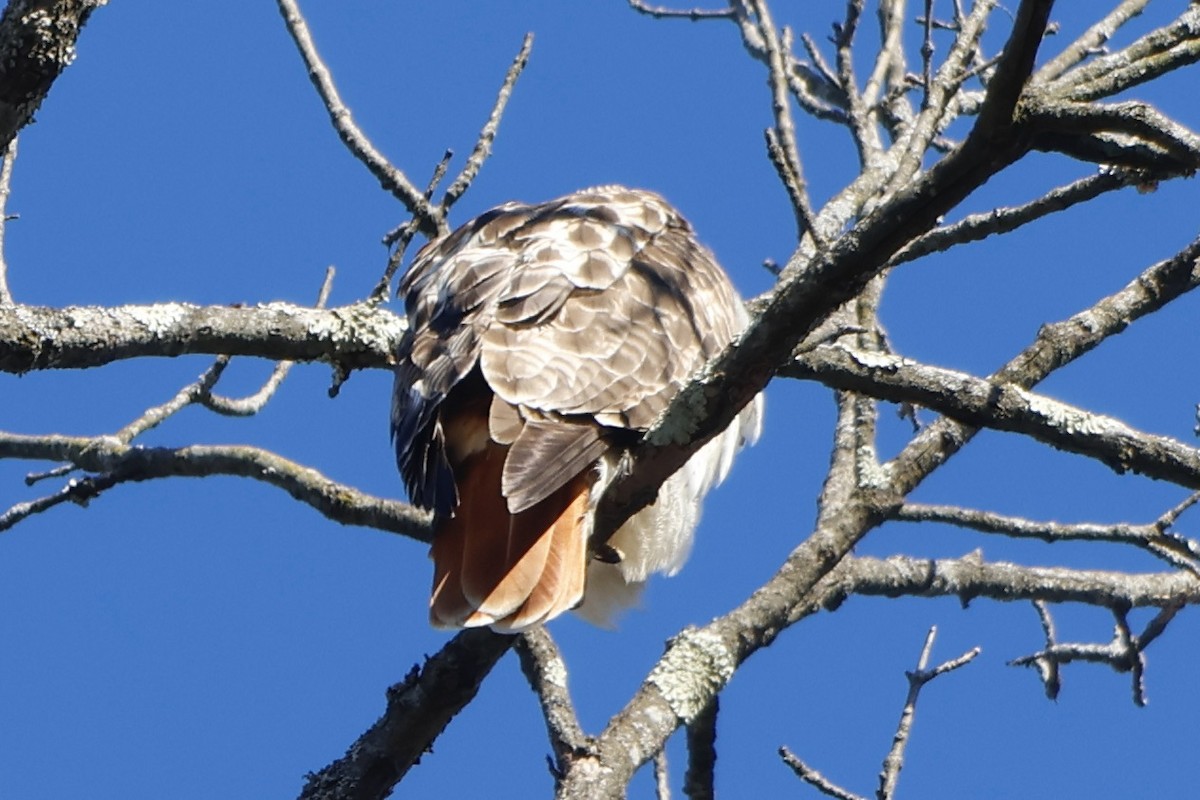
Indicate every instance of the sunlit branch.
{"type": "Point", "coordinates": [392, 179]}
{"type": "Point", "coordinates": [1124, 653]}
{"type": "Point", "coordinates": [976, 227]}
{"type": "Point", "coordinates": [360, 336]}
{"type": "Point", "coordinates": [1154, 537]}
{"type": "Point", "coordinates": [1004, 406]}
{"type": "Point", "coordinates": [418, 710]}
{"type": "Point", "coordinates": [546, 672]}
{"type": "Point", "coordinates": [115, 463]}
{"type": "Point", "coordinates": [1091, 41]}
{"type": "Point", "coordinates": [483, 145]}
{"type": "Point", "coordinates": [6, 171]}
{"type": "Point", "coordinates": [889, 776]}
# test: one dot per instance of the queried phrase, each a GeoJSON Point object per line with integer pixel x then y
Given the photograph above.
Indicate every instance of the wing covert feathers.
{"type": "Point", "coordinates": [541, 340]}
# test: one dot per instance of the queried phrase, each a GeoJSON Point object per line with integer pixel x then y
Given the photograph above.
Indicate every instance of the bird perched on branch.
{"type": "Point", "coordinates": [543, 341]}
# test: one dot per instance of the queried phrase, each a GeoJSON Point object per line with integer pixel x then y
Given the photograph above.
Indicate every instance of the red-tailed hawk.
{"type": "Point", "coordinates": [544, 340]}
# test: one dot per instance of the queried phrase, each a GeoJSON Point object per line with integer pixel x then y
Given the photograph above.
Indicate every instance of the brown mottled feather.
{"type": "Point", "coordinates": [541, 340]}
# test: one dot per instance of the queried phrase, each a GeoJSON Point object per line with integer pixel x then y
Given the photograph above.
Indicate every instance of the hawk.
{"type": "Point", "coordinates": [543, 341]}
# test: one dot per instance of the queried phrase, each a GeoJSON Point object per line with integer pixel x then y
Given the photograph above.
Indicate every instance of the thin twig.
{"type": "Point", "coordinates": [483, 145]}
{"type": "Point", "coordinates": [200, 391]}
{"type": "Point", "coordinates": [56, 472]}
{"type": "Point", "coordinates": [116, 463]}
{"type": "Point", "coordinates": [890, 64]}
{"type": "Point", "coordinates": [156, 415]}
{"type": "Point", "coordinates": [6, 171]}
{"type": "Point", "coordinates": [858, 116]}
{"type": "Point", "coordinates": [252, 404]}
{"type": "Point", "coordinates": [943, 90]}
{"type": "Point", "coordinates": [662, 776]}
{"type": "Point", "coordinates": [400, 237]}
{"type": "Point", "coordinates": [78, 491]}
{"type": "Point", "coordinates": [430, 219]}
{"type": "Point", "coordinates": [693, 14]}
{"type": "Point", "coordinates": [1153, 537]}
{"type": "Point", "coordinates": [976, 227]}
{"type": "Point", "coordinates": [546, 672]}
{"type": "Point", "coordinates": [1171, 516]}
{"type": "Point", "coordinates": [1124, 653]}
{"type": "Point", "coordinates": [894, 761]}
{"type": "Point", "coordinates": [818, 60]}
{"type": "Point", "coordinates": [783, 139]}
{"type": "Point", "coordinates": [927, 51]}
{"type": "Point", "coordinates": [700, 780]}
{"type": "Point", "coordinates": [814, 778]}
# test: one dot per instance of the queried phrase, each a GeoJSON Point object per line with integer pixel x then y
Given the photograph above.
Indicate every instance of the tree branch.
{"type": "Point", "coordinates": [37, 42]}
{"type": "Point", "coordinates": [1091, 41]}
{"type": "Point", "coordinates": [483, 145]}
{"type": "Point", "coordinates": [546, 672]}
{"type": "Point", "coordinates": [983, 403]}
{"type": "Point", "coordinates": [1160, 51]}
{"type": "Point", "coordinates": [889, 776]}
{"type": "Point", "coordinates": [1125, 653]}
{"type": "Point", "coordinates": [804, 297]}
{"type": "Point", "coordinates": [815, 779]}
{"type": "Point", "coordinates": [6, 171]}
{"type": "Point", "coordinates": [971, 577]}
{"type": "Point", "coordinates": [393, 180]}
{"type": "Point", "coordinates": [1154, 537]}
{"type": "Point", "coordinates": [700, 780]}
{"type": "Point", "coordinates": [359, 336]}
{"type": "Point", "coordinates": [117, 463]}
{"type": "Point", "coordinates": [976, 227]}
{"type": "Point", "coordinates": [418, 710]}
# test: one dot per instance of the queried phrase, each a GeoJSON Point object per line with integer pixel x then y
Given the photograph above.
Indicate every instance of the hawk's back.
{"type": "Point", "coordinates": [550, 336]}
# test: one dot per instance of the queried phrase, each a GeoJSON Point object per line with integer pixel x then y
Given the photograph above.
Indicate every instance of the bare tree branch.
{"type": "Point", "coordinates": [1177, 550]}
{"type": "Point", "coordinates": [1129, 134]}
{"type": "Point", "coordinates": [1056, 345]}
{"type": "Point", "coordinates": [971, 577]}
{"type": "Point", "coordinates": [694, 14]}
{"type": "Point", "coordinates": [359, 336]}
{"type": "Point", "coordinates": [1007, 407]}
{"type": "Point", "coordinates": [117, 463]}
{"type": "Point", "coordinates": [976, 227]}
{"type": "Point", "coordinates": [37, 42]}
{"type": "Point", "coordinates": [699, 783]}
{"type": "Point", "coordinates": [1124, 653]}
{"type": "Point", "coordinates": [418, 710]}
{"type": "Point", "coordinates": [483, 145]}
{"type": "Point", "coordinates": [662, 776]}
{"type": "Point", "coordinates": [252, 404]}
{"type": "Point", "coordinates": [1154, 54]}
{"type": "Point", "coordinates": [6, 171]}
{"type": "Point", "coordinates": [430, 219]}
{"type": "Point", "coordinates": [814, 778]}
{"type": "Point", "coordinates": [804, 297]}
{"type": "Point", "coordinates": [889, 776]}
{"type": "Point", "coordinates": [546, 672]}
{"type": "Point", "coordinates": [1091, 41]}
{"type": "Point", "coordinates": [400, 237]}
{"type": "Point", "coordinates": [785, 153]}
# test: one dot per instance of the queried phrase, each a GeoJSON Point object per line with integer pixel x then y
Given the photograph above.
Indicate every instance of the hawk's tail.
{"type": "Point", "coordinates": [510, 571]}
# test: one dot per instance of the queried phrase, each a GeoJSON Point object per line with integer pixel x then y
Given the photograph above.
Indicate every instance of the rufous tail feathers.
{"type": "Point", "coordinates": [509, 571]}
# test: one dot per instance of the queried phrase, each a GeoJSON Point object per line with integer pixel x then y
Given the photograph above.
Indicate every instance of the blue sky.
{"type": "Point", "coordinates": [213, 638]}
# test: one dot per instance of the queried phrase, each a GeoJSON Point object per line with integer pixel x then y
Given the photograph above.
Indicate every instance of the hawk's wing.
{"type": "Point", "coordinates": [559, 331]}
